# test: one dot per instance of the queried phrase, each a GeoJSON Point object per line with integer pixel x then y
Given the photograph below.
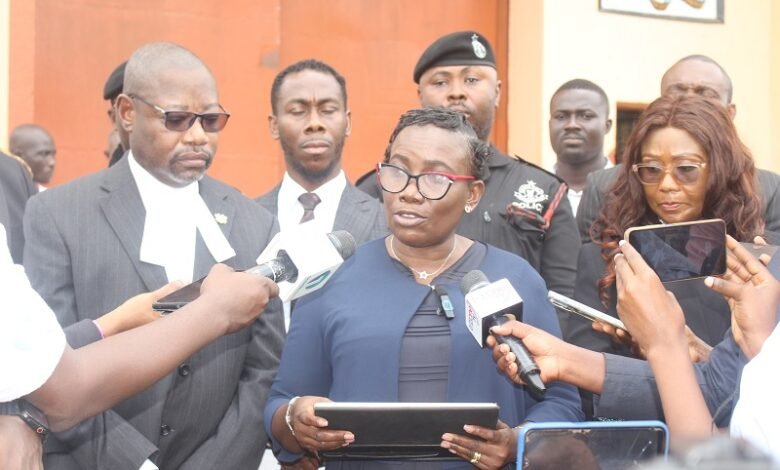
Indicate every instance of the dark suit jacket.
{"type": "Point", "coordinates": [359, 214]}
{"type": "Point", "coordinates": [599, 182]}
{"type": "Point", "coordinates": [82, 256]}
{"type": "Point", "coordinates": [17, 187]}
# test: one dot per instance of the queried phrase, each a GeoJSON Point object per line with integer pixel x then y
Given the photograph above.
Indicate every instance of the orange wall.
{"type": "Point", "coordinates": [62, 51]}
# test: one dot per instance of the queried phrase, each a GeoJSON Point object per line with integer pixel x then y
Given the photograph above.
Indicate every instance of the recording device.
{"type": "Point", "coordinates": [592, 445]}
{"type": "Point", "coordinates": [300, 261]}
{"type": "Point", "coordinates": [681, 251]}
{"type": "Point", "coordinates": [493, 304]}
{"type": "Point", "coordinates": [572, 306]}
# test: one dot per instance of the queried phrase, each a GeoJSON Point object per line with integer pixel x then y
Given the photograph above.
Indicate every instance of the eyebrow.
{"type": "Point", "coordinates": [305, 101]}
{"type": "Point", "coordinates": [677, 155]}
{"type": "Point", "coordinates": [426, 162]}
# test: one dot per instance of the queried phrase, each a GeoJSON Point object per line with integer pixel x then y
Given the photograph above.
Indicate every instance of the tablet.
{"type": "Point", "coordinates": [590, 445]}
{"type": "Point", "coordinates": [401, 431]}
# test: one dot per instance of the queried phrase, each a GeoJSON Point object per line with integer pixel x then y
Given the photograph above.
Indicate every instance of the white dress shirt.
{"type": "Point", "coordinates": [290, 210]}
{"type": "Point", "coordinates": [575, 197]}
{"type": "Point", "coordinates": [31, 339]}
{"type": "Point", "coordinates": [757, 413]}
{"type": "Point", "coordinates": [173, 217]}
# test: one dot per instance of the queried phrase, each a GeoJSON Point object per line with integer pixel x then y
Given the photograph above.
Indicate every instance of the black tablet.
{"type": "Point", "coordinates": [401, 431]}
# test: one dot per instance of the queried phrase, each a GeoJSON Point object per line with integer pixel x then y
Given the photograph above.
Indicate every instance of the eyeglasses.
{"type": "Point", "coordinates": [180, 121]}
{"type": "Point", "coordinates": [684, 173]}
{"type": "Point", "coordinates": [432, 185]}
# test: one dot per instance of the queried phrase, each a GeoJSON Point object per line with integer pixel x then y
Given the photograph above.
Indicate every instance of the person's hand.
{"type": "Point", "coordinates": [650, 313]}
{"type": "Point", "coordinates": [241, 297]}
{"type": "Point", "coordinates": [309, 430]}
{"type": "Point", "coordinates": [544, 347]}
{"type": "Point", "coordinates": [135, 311]}
{"type": "Point", "coordinates": [491, 449]}
{"type": "Point", "coordinates": [698, 350]}
{"type": "Point", "coordinates": [20, 447]}
{"type": "Point", "coordinates": [753, 294]}
{"type": "Point", "coordinates": [619, 336]}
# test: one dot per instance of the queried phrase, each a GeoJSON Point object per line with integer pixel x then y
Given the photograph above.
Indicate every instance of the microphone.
{"type": "Point", "coordinates": [300, 263]}
{"type": "Point", "coordinates": [282, 268]}
{"type": "Point", "coordinates": [300, 260]}
{"type": "Point", "coordinates": [492, 304]}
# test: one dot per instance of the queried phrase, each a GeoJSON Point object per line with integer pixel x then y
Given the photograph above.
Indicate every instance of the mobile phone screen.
{"type": "Point", "coordinates": [683, 251]}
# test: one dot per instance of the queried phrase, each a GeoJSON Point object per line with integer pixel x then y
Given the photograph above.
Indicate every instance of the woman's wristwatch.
{"type": "Point", "coordinates": [31, 415]}
{"type": "Point", "coordinates": [288, 415]}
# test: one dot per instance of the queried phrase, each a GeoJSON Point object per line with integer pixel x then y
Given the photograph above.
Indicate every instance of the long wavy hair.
{"type": "Point", "coordinates": [731, 184]}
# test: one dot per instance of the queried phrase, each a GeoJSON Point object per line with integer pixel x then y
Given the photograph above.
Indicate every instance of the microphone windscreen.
{"type": "Point", "coordinates": [473, 279]}
{"type": "Point", "coordinates": [344, 243]}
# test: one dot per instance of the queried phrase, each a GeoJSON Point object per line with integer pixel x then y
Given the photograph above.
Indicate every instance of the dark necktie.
{"type": "Point", "coordinates": [309, 201]}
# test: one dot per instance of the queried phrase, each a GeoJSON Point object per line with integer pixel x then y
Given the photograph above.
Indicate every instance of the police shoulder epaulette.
{"type": "Point", "coordinates": [543, 170]}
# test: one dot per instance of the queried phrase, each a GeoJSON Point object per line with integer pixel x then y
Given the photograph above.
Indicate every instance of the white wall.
{"type": "Point", "coordinates": [626, 55]}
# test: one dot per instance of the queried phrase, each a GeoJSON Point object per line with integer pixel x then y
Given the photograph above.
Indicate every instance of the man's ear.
{"type": "Point", "coordinates": [731, 108]}
{"type": "Point", "coordinates": [349, 123]}
{"type": "Point", "coordinates": [273, 126]}
{"type": "Point", "coordinates": [498, 92]}
{"type": "Point", "coordinates": [125, 111]}
{"type": "Point", "coordinates": [608, 127]}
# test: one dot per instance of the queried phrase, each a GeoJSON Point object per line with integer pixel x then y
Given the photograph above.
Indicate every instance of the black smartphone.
{"type": "Point", "coordinates": [178, 298]}
{"type": "Point", "coordinates": [681, 251]}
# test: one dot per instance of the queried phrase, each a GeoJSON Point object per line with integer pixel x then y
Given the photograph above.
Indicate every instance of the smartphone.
{"type": "Point", "coordinates": [593, 445]}
{"type": "Point", "coordinates": [572, 306]}
{"type": "Point", "coordinates": [178, 298]}
{"type": "Point", "coordinates": [688, 250]}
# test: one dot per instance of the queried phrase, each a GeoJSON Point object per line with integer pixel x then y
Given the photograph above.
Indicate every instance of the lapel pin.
{"type": "Point", "coordinates": [220, 218]}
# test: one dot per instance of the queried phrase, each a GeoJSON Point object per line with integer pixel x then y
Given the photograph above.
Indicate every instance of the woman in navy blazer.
{"type": "Point", "coordinates": [371, 335]}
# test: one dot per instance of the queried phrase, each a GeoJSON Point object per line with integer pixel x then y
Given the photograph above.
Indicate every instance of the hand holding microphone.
{"type": "Point", "coordinates": [492, 304]}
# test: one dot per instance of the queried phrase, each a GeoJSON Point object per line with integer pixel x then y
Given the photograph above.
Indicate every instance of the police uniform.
{"type": "Point", "coordinates": [525, 210]}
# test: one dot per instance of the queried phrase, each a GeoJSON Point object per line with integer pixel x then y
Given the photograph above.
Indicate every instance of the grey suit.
{"type": "Point", "coordinates": [82, 255]}
{"type": "Point", "coordinates": [600, 181]}
{"type": "Point", "coordinates": [17, 187]}
{"type": "Point", "coordinates": [359, 214]}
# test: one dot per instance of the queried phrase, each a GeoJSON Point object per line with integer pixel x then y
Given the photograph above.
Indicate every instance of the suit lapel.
{"type": "Point", "coordinates": [351, 214]}
{"type": "Point", "coordinates": [125, 213]}
{"type": "Point", "coordinates": [223, 209]}
{"type": "Point", "coordinates": [270, 200]}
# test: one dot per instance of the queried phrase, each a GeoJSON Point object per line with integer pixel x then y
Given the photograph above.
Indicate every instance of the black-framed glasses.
{"type": "Point", "coordinates": [685, 173]}
{"type": "Point", "coordinates": [180, 121]}
{"type": "Point", "coordinates": [432, 185]}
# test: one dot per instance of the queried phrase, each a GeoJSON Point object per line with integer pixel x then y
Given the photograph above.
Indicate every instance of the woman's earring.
{"type": "Point", "coordinates": [467, 209]}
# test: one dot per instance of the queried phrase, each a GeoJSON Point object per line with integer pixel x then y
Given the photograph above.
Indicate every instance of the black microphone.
{"type": "Point", "coordinates": [493, 304]}
{"type": "Point", "coordinates": [311, 269]}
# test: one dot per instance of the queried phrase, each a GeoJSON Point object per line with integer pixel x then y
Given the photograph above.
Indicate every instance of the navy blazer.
{"type": "Point", "coordinates": [345, 341]}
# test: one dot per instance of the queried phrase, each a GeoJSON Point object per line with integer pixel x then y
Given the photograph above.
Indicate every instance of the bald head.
{"type": "Point", "coordinates": [33, 144]}
{"type": "Point", "coordinates": [151, 66]}
{"type": "Point", "coordinates": [700, 75]}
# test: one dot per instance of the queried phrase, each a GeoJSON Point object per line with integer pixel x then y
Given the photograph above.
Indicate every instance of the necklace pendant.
{"type": "Point", "coordinates": [423, 275]}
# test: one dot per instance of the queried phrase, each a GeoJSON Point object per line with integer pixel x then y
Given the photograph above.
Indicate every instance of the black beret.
{"type": "Point", "coordinates": [461, 48]}
{"type": "Point", "coordinates": [116, 80]}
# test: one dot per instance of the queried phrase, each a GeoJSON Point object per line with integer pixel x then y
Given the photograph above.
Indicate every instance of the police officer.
{"type": "Point", "coordinates": [524, 209]}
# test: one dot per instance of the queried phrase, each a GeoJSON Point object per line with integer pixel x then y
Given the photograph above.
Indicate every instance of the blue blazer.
{"type": "Point", "coordinates": [345, 341]}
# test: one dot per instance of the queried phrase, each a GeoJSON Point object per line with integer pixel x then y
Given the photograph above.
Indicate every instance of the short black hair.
{"type": "Point", "coordinates": [709, 60]}
{"type": "Point", "coordinates": [449, 120]}
{"type": "Point", "coordinates": [300, 66]}
{"type": "Point", "coordinates": [582, 84]}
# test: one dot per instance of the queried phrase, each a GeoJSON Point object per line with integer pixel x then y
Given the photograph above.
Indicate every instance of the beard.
{"type": "Point", "coordinates": [315, 177]}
